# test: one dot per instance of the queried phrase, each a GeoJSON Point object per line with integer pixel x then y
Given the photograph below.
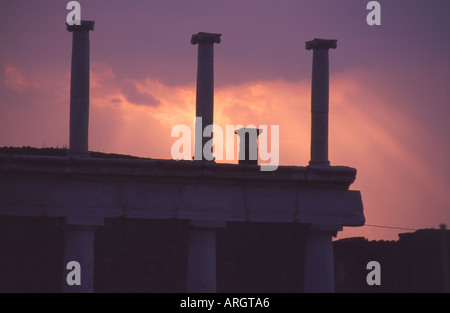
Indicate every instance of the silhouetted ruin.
{"type": "Point", "coordinates": [417, 262]}
{"type": "Point", "coordinates": [136, 224]}
{"type": "Point", "coordinates": [151, 255]}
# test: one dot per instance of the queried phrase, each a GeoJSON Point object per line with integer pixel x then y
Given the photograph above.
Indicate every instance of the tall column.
{"type": "Point", "coordinates": [319, 261]}
{"type": "Point", "coordinates": [79, 89]}
{"type": "Point", "coordinates": [205, 88]}
{"type": "Point", "coordinates": [201, 267]}
{"type": "Point", "coordinates": [79, 247]}
{"type": "Point", "coordinates": [319, 100]}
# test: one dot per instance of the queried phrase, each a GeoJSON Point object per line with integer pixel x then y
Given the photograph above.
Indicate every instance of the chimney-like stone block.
{"type": "Point", "coordinates": [248, 145]}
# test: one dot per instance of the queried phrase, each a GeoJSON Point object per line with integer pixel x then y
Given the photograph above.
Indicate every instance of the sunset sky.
{"type": "Point", "coordinates": [389, 86]}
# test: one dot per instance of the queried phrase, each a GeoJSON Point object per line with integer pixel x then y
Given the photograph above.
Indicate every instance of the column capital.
{"type": "Point", "coordinates": [321, 44]}
{"type": "Point", "coordinates": [85, 26]}
{"type": "Point", "coordinates": [205, 38]}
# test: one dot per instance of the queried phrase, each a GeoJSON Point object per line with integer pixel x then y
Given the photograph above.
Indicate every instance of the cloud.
{"type": "Point", "coordinates": [135, 94]}
{"type": "Point", "coordinates": [104, 83]}
{"type": "Point", "coordinates": [116, 100]}
{"type": "Point", "coordinates": [14, 79]}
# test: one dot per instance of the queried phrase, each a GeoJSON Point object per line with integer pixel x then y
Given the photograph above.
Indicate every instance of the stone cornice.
{"type": "Point", "coordinates": [90, 189]}
{"type": "Point", "coordinates": [340, 177]}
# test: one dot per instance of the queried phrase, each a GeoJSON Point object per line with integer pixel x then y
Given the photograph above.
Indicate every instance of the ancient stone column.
{"type": "Point", "coordinates": [205, 87]}
{"type": "Point", "coordinates": [79, 247]}
{"type": "Point", "coordinates": [201, 267]}
{"type": "Point", "coordinates": [79, 89]}
{"type": "Point", "coordinates": [248, 145]}
{"type": "Point", "coordinates": [319, 100]}
{"type": "Point", "coordinates": [319, 261]}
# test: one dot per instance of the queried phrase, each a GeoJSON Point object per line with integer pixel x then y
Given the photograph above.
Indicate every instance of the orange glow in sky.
{"type": "Point", "coordinates": [389, 96]}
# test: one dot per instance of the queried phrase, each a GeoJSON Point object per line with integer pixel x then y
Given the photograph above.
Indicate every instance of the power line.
{"type": "Point", "coordinates": [390, 227]}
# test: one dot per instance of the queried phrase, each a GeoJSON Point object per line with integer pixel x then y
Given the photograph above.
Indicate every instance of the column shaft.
{"type": "Point", "coordinates": [201, 273]}
{"type": "Point", "coordinates": [205, 85]}
{"type": "Point", "coordinates": [319, 264]}
{"type": "Point", "coordinates": [79, 247]}
{"type": "Point", "coordinates": [319, 107]}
